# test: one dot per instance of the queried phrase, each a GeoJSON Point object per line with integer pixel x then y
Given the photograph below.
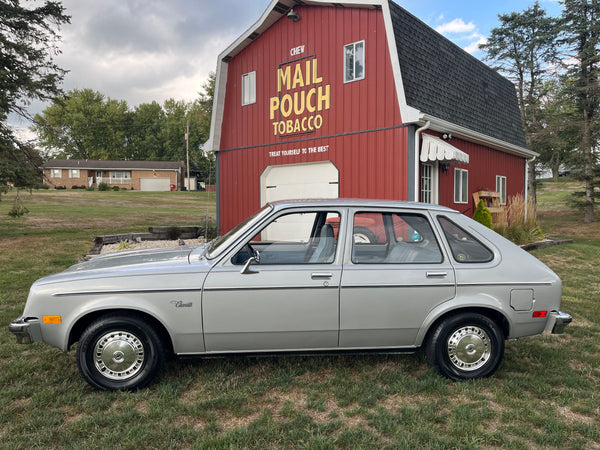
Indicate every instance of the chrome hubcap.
{"type": "Point", "coordinates": [119, 355]}
{"type": "Point", "coordinates": [469, 348]}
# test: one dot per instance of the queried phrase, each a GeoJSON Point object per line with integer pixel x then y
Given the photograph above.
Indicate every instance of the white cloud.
{"type": "Point", "coordinates": [474, 46]}
{"type": "Point", "coordinates": [456, 26]}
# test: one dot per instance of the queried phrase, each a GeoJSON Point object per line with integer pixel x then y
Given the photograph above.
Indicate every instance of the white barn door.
{"type": "Point", "coordinates": [294, 181]}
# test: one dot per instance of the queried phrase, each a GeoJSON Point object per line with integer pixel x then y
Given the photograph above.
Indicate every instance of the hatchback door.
{"type": "Point", "coordinates": [287, 298]}
{"type": "Point", "coordinates": [395, 273]}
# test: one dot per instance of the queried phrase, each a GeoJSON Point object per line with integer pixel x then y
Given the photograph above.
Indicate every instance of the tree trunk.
{"type": "Point", "coordinates": [588, 168]}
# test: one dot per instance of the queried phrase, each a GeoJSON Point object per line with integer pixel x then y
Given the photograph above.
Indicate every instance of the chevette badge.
{"type": "Point", "coordinates": [180, 304]}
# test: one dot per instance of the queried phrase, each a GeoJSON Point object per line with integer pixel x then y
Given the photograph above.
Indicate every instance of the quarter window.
{"type": "Point", "coordinates": [393, 238]}
{"type": "Point", "coordinates": [465, 247]}
{"type": "Point", "coordinates": [354, 61]}
{"type": "Point", "coordinates": [501, 188]}
{"type": "Point", "coordinates": [248, 88]}
{"type": "Point", "coordinates": [461, 186]}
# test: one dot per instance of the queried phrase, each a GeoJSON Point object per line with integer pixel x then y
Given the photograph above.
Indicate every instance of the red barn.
{"type": "Point", "coordinates": [359, 99]}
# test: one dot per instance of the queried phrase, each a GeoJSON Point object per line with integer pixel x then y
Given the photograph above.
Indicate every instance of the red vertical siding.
{"type": "Point", "coordinates": [371, 163]}
{"type": "Point", "coordinates": [484, 165]}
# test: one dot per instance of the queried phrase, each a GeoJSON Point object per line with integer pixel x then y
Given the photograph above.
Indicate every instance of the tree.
{"type": "Point", "coordinates": [146, 139]}
{"type": "Point", "coordinates": [581, 27]}
{"type": "Point", "coordinates": [84, 124]}
{"type": "Point", "coordinates": [557, 138]}
{"type": "Point", "coordinates": [523, 47]}
{"type": "Point", "coordinates": [28, 42]}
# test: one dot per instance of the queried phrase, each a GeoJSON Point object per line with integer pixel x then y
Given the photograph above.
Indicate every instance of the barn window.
{"type": "Point", "coordinates": [461, 185]}
{"type": "Point", "coordinates": [55, 173]}
{"type": "Point", "coordinates": [501, 188]}
{"type": "Point", "coordinates": [248, 88]}
{"type": "Point", "coordinates": [354, 61]}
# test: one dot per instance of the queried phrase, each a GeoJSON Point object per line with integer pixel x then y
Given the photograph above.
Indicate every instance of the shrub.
{"type": "Point", "coordinates": [116, 188]}
{"type": "Point", "coordinates": [522, 223]}
{"type": "Point", "coordinates": [483, 215]}
{"type": "Point", "coordinates": [103, 187]}
{"type": "Point", "coordinates": [18, 208]}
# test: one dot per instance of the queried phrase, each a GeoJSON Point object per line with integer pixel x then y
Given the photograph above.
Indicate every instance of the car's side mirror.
{"type": "Point", "coordinates": [246, 270]}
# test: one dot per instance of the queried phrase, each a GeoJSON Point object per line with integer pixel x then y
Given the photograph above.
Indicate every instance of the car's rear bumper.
{"type": "Point", "coordinates": [27, 330]}
{"type": "Point", "coordinates": [557, 321]}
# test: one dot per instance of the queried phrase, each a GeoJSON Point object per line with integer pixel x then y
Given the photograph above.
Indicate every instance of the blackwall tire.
{"type": "Point", "coordinates": [120, 352]}
{"type": "Point", "coordinates": [466, 346]}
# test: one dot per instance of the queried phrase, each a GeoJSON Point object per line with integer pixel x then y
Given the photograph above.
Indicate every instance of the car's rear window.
{"type": "Point", "coordinates": [464, 246]}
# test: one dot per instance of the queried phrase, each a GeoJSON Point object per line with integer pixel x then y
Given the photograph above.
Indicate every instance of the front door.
{"type": "Point", "coordinates": [287, 298]}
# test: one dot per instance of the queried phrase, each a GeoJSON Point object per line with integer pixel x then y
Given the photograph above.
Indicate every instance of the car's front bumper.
{"type": "Point", "coordinates": [26, 329]}
{"type": "Point", "coordinates": [557, 321]}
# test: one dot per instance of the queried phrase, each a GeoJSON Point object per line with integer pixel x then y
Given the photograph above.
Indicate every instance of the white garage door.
{"type": "Point", "coordinates": [291, 181]}
{"type": "Point", "coordinates": [155, 184]}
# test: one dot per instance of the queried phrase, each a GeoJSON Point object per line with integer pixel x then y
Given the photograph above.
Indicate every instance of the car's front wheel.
{"type": "Point", "coordinates": [465, 346]}
{"type": "Point", "coordinates": [120, 352]}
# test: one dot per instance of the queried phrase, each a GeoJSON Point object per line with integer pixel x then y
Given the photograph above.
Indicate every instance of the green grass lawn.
{"type": "Point", "coordinates": [545, 394]}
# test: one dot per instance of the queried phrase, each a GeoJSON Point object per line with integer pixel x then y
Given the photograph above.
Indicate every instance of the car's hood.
{"type": "Point", "coordinates": [134, 257]}
{"type": "Point", "coordinates": [132, 269]}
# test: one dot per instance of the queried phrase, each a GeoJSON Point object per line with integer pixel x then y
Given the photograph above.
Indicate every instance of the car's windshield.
{"type": "Point", "coordinates": [217, 245]}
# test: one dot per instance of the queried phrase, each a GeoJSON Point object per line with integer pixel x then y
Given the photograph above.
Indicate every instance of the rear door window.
{"type": "Point", "coordinates": [393, 238]}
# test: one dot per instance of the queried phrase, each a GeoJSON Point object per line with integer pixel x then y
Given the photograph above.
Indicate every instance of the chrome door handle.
{"type": "Point", "coordinates": [321, 275]}
{"type": "Point", "coordinates": [437, 274]}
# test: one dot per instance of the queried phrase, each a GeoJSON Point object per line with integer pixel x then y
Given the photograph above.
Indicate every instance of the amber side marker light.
{"type": "Point", "coordinates": [52, 319]}
{"type": "Point", "coordinates": [540, 314]}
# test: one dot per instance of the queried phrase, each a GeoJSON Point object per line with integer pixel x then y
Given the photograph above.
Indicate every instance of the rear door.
{"type": "Point", "coordinates": [392, 278]}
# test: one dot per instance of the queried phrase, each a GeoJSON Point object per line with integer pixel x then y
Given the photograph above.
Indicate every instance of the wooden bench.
{"type": "Point", "coordinates": [491, 200]}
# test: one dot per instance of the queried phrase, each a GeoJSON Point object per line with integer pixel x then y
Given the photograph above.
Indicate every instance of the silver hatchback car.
{"type": "Point", "coordinates": [307, 277]}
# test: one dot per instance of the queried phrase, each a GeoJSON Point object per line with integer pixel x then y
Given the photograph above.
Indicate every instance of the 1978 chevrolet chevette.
{"type": "Point", "coordinates": [302, 276]}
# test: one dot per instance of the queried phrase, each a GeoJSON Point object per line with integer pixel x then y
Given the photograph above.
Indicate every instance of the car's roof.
{"type": "Point", "coordinates": [357, 203]}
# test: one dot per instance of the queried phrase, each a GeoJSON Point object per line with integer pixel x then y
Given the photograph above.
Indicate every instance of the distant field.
{"type": "Point", "coordinates": [546, 393]}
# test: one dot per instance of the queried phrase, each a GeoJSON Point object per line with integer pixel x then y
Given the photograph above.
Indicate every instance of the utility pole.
{"type": "Point", "coordinates": [187, 152]}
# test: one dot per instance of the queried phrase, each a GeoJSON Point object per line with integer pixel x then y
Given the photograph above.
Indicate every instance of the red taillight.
{"type": "Point", "coordinates": [540, 314]}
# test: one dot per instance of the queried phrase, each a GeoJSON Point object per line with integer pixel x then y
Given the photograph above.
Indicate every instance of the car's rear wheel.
{"type": "Point", "coordinates": [465, 346]}
{"type": "Point", "coordinates": [120, 352]}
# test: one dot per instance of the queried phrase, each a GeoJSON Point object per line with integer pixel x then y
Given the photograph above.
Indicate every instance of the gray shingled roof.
{"type": "Point", "coordinates": [95, 164]}
{"type": "Point", "coordinates": [442, 80]}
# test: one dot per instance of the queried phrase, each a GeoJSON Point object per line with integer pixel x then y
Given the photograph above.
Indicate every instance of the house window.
{"type": "Point", "coordinates": [74, 173]}
{"type": "Point", "coordinates": [116, 174]}
{"type": "Point", "coordinates": [354, 61]}
{"type": "Point", "coordinates": [501, 188]}
{"type": "Point", "coordinates": [426, 183]}
{"type": "Point", "coordinates": [248, 88]}
{"type": "Point", "coordinates": [55, 173]}
{"type": "Point", "coordinates": [461, 185]}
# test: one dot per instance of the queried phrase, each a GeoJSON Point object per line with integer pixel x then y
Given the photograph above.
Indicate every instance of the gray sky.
{"type": "Point", "coordinates": [145, 50]}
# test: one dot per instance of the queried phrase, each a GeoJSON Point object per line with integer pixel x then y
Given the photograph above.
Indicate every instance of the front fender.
{"type": "Point", "coordinates": [179, 314]}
